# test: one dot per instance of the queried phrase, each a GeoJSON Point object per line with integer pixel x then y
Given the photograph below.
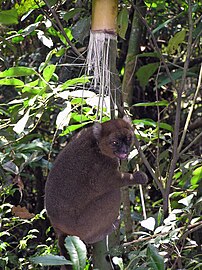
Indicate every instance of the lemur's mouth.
{"type": "Point", "coordinates": [121, 155]}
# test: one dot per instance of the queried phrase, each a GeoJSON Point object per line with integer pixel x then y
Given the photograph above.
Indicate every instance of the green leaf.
{"type": "Point", "coordinates": [175, 75]}
{"type": "Point", "coordinates": [150, 122]}
{"type": "Point", "coordinates": [77, 252]}
{"type": "Point", "coordinates": [48, 72]}
{"type": "Point", "coordinates": [8, 17]}
{"type": "Point", "coordinates": [197, 176]}
{"type": "Point", "coordinates": [71, 13]}
{"type": "Point", "coordinates": [122, 22]}
{"type": "Point", "coordinates": [50, 260]}
{"type": "Point", "coordinates": [48, 58]}
{"type": "Point", "coordinates": [81, 29]}
{"type": "Point", "coordinates": [156, 262]}
{"type": "Point", "coordinates": [175, 41]}
{"type": "Point", "coordinates": [149, 54]}
{"type": "Point", "coordinates": [17, 72]}
{"type": "Point", "coordinates": [145, 72]}
{"type": "Point", "coordinates": [149, 104]}
{"type": "Point", "coordinates": [75, 81]}
{"type": "Point", "coordinates": [73, 128]}
{"type": "Point", "coordinates": [11, 81]}
{"type": "Point", "coordinates": [52, 2]}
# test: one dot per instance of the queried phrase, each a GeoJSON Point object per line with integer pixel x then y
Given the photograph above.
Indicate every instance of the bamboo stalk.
{"type": "Point", "coordinates": [104, 16]}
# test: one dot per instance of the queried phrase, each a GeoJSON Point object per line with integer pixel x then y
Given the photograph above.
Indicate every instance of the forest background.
{"type": "Point", "coordinates": [45, 98]}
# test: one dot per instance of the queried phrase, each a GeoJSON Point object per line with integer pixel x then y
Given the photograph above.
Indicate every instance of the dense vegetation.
{"type": "Point", "coordinates": [44, 99]}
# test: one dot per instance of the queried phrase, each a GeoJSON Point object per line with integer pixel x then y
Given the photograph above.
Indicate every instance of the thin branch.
{"type": "Point", "coordinates": [63, 31]}
{"type": "Point", "coordinates": [190, 111]}
{"type": "Point", "coordinates": [190, 228]}
{"type": "Point", "coordinates": [146, 163]}
{"type": "Point", "coordinates": [189, 145]}
{"type": "Point", "coordinates": [178, 112]}
{"type": "Point", "coordinates": [156, 47]}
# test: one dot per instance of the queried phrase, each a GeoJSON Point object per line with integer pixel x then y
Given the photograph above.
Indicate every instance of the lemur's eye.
{"type": "Point", "coordinates": [115, 143]}
{"type": "Point", "coordinates": [129, 139]}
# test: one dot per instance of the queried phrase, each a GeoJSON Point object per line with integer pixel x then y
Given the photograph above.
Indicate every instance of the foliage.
{"type": "Point", "coordinates": [44, 98]}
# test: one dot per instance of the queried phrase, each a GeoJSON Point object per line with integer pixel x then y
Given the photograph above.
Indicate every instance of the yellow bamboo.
{"type": "Point", "coordinates": [104, 16]}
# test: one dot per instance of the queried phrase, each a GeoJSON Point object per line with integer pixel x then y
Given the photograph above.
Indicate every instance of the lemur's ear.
{"type": "Point", "coordinates": [127, 119]}
{"type": "Point", "coordinates": [97, 129]}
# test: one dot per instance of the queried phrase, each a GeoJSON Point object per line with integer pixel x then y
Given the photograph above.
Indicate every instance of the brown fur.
{"type": "Point", "coordinates": [82, 194]}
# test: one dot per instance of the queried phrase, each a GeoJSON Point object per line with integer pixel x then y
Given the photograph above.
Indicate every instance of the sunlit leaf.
{"type": "Point", "coordinates": [75, 81]}
{"type": "Point", "coordinates": [148, 223]}
{"type": "Point", "coordinates": [82, 93]}
{"type": "Point", "coordinates": [197, 176]}
{"type": "Point", "coordinates": [11, 81]}
{"type": "Point", "coordinates": [17, 72]}
{"type": "Point", "coordinates": [73, 128]}
{"type": "Point", "coordinates": [187, 200]}
{"type": "Point", "coordinates": [48, 72]}
{"type": "Point", "coordinates": [64, 116]}
{"type": "Point", "coordinates": [20, 125]}
{"type": "Point", "coordinates": [118, 261]}
{"type": "Point", "coordinates": [47, 41]}
{"type": "Point", "coordinates": [150, 122]}
{"type": "Point", "coordinates": [30, 28]}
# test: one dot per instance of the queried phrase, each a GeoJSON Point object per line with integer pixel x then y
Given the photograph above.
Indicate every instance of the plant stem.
{"type": "Point", "coordinates": [177, 116]}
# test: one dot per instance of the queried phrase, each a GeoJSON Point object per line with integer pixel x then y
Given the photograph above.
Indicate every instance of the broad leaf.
{"type": "Point", "coordinates": [175, 41]}
{"type": "Point", "coordinates": [17, 72]}
{"type": "Point", "coordinates": [81, 29]}
{"type": "Point", "coordinates": [11, 167]}
{"type": "Point", "coordinates": [186, 201]}
{"type": "Point", "coordinates": [48, 72]}
{"type": "Point", "coordinates": [50, 260]}
{"type": "Point", "coordinates": [77, 252]}
{"type": "Point", "coordinates": [47, 41]}
{"type": "Point", "coordinates": [63, 117]}
{"type": "Point", "coordinates": [197, 176]}
{"type": "Point", "coordinates": [8, 17]}
{"type": "Point", "coordinates": [71, 13]}
{"type": "Point", "coordinates": [148, 223]}
{"type": "Point", "coordinates": [156, 262]}
{"type": "Point", "coordinates": [20, 125]}
{"type": "Point", "coordinates": [145, 72]}
{"type": "Point", "coordinates": [175, 75]}
{"type": "Point", "coordinates": [122, 22]}
{"type": "Point", "coordinates": [75, 81]}
{"type": "Point", "coordinates": [11, 81]}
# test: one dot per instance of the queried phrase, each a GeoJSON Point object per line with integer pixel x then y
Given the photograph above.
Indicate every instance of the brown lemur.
{"type": "Point", "coordinates": [82, 193]}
